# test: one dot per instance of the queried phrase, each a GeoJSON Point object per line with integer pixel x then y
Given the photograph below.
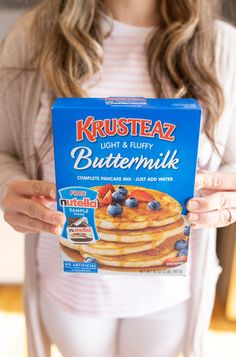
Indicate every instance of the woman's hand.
{"type": "Point", "coordinates": [217, 207]}
{"type": "Point", "coordinates": [24, 206]}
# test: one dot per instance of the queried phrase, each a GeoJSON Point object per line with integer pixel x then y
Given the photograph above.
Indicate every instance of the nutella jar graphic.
{"type": "Point", "coordinates": [79, 231]}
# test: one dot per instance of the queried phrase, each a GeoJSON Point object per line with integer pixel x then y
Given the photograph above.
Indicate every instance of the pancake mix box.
{"type": "Point", "coordinates": [125, 169]}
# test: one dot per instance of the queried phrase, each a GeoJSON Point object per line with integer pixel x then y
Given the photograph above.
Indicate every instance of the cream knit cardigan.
{"type": "Point", "coordinates": [19, 105]}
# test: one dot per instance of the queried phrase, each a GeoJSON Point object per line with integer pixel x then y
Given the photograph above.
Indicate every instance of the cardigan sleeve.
{"type": "Point", "coordinates": [11, 60]}
{"type": "Point", "coordinates": [229, 157]}
{"type": "Point", "coordinates": [229, 53]}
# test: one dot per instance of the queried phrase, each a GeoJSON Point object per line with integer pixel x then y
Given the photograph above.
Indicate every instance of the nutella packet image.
{"type": "Point", "coordinates": [125, 169]}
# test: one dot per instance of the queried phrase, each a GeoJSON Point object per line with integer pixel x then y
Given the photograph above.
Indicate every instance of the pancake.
{"type": "Point", "coordinates": [140, 217]}
{"type": "Point", "coordinates": [143, 235]}
{"type": "Point", "coordinates": [103, 247]}
{"type": "Point", "coordinates": [109, 248]}
{"type": "Point", "coordinates": [76, 257]}
{"type": "Point", "coordinates": [154, 257]}
{"type": "Point", "coordinates": [118, 248]}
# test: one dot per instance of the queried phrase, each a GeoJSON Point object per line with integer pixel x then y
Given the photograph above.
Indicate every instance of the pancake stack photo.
{"type": "Point", "coordinates": [139, 229]}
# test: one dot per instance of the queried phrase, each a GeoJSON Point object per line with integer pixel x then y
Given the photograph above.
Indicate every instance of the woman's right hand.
{"type": "Point", "coordinates": [24, 207]}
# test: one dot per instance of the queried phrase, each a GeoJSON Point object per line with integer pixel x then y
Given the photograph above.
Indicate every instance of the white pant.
{"type": "Point", "coordinates": [156, 335]}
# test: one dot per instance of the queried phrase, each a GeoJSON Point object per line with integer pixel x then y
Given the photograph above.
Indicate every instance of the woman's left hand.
{"type": "Point", "coordinates": [217, 206]}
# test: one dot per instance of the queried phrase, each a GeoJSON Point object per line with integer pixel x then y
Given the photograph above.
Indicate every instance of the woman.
{"type": "Point", "coordinates": [151, 48]}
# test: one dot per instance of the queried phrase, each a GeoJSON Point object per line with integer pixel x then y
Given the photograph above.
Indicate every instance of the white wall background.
{"type": "Point", "coordinates": [11, 242]}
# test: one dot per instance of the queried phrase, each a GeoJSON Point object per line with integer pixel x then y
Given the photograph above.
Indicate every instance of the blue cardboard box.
{"type": "Point", "coordinates": [125, 169]}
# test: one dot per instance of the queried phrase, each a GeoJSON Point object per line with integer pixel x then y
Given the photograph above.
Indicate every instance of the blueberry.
{"type": "Point", "coordinates": [118, 197]}
{"type": "Point", "coordinates": [131, 202]}
{"type": "Point", "coordinates": [114, 209]}
{"type": "Point", "coordinates": [183, 252]}
{"type": "Point", "coordinates": [123, 190]}
{"type": "Point", "coordinates": [181, 244]}
{"type": "Point", "coordinates": [154, 205]}
{"type": "Point", "coordinates": [186, 230]}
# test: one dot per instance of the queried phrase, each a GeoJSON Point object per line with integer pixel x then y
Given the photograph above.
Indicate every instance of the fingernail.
{"type": "Point", "coordinates": [193, 205]}
{"type": "Point", "coordinates": [193, 217]}
{"type": "Point", "coordinates": [56, 219]}
{"type": "Point", "coordinates": [53, 194]}
{"type": "Point", "coordinates": [58, 231]}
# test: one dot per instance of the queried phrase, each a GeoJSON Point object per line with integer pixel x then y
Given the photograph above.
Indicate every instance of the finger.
{"type": "Point", "coordinates": [34, 188]}
{"type": "Point", "coordinates": [200, 171]}
{"type": "Point", "coordinates": [217, 218]}
{"type": "Point", "coordinates": [46, 201]}
{"type": "Point", "coordinates": [29, 224]}
{"type": "Point", "coordinates": [21, 229]}
{"type": "Point", "coordinates": [35, 209]}
{"type": "Point", "coordinates": [194, 226]}
{"type": "Point", "coordinates": [217, 200]}
{"type": "Point", "coordinates": [216, 181]}
{"type": "Point", "coordinates": [206, 192]}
